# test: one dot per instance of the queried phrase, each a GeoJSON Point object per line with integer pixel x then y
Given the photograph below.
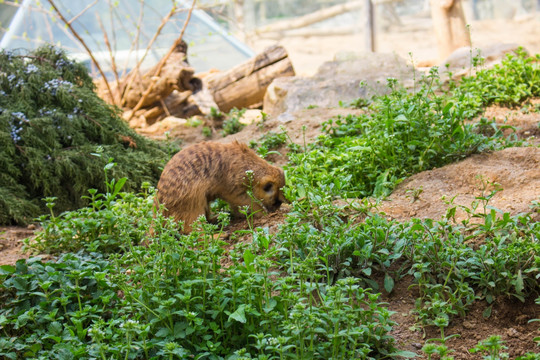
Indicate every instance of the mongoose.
{"type": "Point", "coordinates": [206, 171]}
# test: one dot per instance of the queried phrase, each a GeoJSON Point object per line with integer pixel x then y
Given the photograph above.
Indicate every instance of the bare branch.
{"type": "Point", "coordinates": [163, 61]}
{"type": "Point", "coordinates": [157, 33]}
{"type": "Point", "coordinates": [83, 11]}
{"type": "Point", "coordinates": [83, 43]}
{"type": "Point", "coordinates": [116, 96]}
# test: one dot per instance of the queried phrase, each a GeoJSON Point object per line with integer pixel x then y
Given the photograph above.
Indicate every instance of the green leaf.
{"type": "Point", "coordinates": [402, 353]}
{"type": "Point", "coordinates": [109, 166]}
{"type": "Point", "coordinates": [239, 315]}
{"type": "Point", "coordinates": [388, 283]}
{"type": "Point", "coordinates": [401, 118]}
{"type": "Point", "coordinates": [7, 269]}
{"type": "Point", "coordinates": [119, 185]}
{"type": "Point", "coordinates": [248, 260]}
{"type": "Point", "coordinates": [163, 332]}
{"type": "Point", "coordinates": [487, 312]}
{"type": "Point", "coordinates": [270, 305]}
{"type": "Point", "coordinates": [20, 283]}
{"type": "Point", "coordinates": [448, 107]}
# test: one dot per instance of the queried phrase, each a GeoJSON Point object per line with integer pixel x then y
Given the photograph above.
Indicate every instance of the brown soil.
{"type": "Point", "coordinates": [517, 170]}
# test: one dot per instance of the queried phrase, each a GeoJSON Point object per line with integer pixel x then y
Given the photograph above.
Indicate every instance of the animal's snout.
{"type": "Point", "coordinates": [275, 205]}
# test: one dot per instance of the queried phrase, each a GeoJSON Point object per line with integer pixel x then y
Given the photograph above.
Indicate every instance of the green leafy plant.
{"type": "Point", "coordinates": [517, 78]}
{"type": "Point", "coordinates": [232, 123]}
{"type": "Point", "coordinates": [113, 221]}
{"type": "Point", "coordinates": [207, 131]}
{"type": "Point", "coordinates": [306, 290]}
{"type": "Point", "coordinates": [492, 348]}
{"type": "Point", "coordinates": [174, 297]}
{"type": "Point", "coordinates": [405, 133]}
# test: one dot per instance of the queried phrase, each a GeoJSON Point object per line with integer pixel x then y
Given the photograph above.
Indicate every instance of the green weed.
{"type": "Point", "coordinates": [232, 124]}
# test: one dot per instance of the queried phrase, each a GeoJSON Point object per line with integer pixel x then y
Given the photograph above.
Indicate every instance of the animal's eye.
{"type": "Point", "coordinates": [268, 187]}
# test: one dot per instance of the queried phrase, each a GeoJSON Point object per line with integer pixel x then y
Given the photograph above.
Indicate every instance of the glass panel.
{"type": "Point", "coordinates": [209, 45]}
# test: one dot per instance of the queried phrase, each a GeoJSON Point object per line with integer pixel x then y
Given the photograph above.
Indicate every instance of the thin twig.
{"type": "Point", "coordinates": [157, 33]}
{"type": "Point", "coordinates": [83, 11]}
{"type": "Point", "coordinates": [164, 106]}
{"type": "Point", "coordinates": [116, 96]}
{"type": "Point", "coordinates": [94, 61]}
{"type": "Point", "coordinates": [162, 62]}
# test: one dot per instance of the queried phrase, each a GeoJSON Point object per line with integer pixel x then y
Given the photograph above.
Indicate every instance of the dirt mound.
{"type": "Point", "coordinates": [517, 170]}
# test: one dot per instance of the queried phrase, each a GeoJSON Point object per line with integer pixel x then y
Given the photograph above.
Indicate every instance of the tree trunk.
{"type": "Point", "coordinates": [450, 26]}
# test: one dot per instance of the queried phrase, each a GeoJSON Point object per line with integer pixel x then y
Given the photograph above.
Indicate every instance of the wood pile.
{"type": "Point", "coordinates": [176, 91]}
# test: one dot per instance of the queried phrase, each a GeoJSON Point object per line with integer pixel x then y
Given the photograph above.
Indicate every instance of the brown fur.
{"type": "Point", "coordinates": [204, 172]}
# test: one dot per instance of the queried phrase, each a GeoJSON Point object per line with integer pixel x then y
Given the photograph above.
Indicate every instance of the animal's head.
{"type": "Point", "coordinates": [268, 189]}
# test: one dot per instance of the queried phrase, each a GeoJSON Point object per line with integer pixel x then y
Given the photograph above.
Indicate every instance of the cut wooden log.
{"type": "Point", "coordinates": [245, 84]}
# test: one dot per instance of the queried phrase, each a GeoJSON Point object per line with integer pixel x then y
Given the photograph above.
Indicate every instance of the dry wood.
{"type": "Point", "coordinates": [245, 84]}
{"type": "Point", "coordinates": [450, 26]}
{"type": "Point", "coordinates": [151, 115]}
{"type": "Point", "coordinates": [162, 62]}
{"type": "Point", "coordinates": [178, 93]}
{"type": "Point", "coordinates": [175, 74]}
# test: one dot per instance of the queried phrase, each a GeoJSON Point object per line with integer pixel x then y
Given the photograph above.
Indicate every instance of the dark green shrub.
{"type": "Point", "coordinates": [56, 136]}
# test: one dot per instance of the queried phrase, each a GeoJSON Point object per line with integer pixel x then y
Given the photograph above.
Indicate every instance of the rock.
{"type": "Point", "coordinates": [348, 78]}
{"type": "Point", "coordinates": [250, 116]}
{"type": "Point", "coordinates": [512, 333]}
{"type": "Point", "coordinates": [468, 325]}
{"type": "Point", "coordinates": [461, 60]}
{"type": "Point", "coordinates": [167, 124]}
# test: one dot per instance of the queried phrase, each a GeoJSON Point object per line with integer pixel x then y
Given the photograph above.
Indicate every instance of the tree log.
{"type": "Point", "coordinates": [245, 84]}
{"type": "Point", "coordinates": [450, 26]}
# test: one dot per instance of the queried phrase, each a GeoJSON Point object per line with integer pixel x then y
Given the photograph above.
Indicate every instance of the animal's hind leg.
{"type": "Point", "coordinates": [199, 207]}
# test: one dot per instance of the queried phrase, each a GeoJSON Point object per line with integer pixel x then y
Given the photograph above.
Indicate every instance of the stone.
{"type": "Point", "coordinates": [167, 124]}
{"type": "Point", "coordinates": [251, 116]}
{"type": "Point", "coordinates": [350, 77]}
{"type": "Point", "coordinates": [461, 60]}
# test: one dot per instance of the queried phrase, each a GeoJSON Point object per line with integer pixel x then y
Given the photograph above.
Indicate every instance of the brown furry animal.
{"type": "Point", "coordinates": [204, 172]}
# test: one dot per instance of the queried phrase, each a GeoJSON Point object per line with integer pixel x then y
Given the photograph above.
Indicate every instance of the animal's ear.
{"type": "Point", "coordinates": [243, 147]}
{"type": "Point", "coordinates": [282, 177]}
